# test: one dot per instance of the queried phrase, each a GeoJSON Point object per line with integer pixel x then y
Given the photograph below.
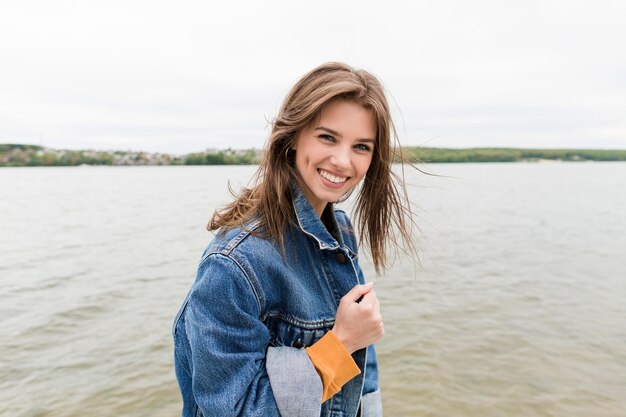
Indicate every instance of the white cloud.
{"type": "Point", "coordinates": [180, 77]}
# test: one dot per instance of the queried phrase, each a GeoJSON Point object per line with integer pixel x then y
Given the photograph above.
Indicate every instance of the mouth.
{"type": "Point", "coordinates": [332, 178]}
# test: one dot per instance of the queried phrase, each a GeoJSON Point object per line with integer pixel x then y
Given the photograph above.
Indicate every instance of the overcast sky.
{"type": "Point", "coordinates": [183, 76]}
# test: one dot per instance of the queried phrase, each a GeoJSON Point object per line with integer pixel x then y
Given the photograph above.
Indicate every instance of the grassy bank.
{"type": "Point", "coordinates": [13, 155]}
{"type": "Point", "coordinates": [434, 155]}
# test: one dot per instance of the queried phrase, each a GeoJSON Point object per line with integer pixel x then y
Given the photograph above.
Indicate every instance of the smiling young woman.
{"type": "Point", "coordinates": [279, 321]}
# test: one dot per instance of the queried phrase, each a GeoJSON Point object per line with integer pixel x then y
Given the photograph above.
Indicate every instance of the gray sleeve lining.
{"type": "Point", "coordinates": [296, 385]}
{"type": "Point", "coordinates": [371, 405]}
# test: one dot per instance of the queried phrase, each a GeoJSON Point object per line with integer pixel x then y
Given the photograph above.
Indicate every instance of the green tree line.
{"type": "Point", "coordinates": [32, 155]}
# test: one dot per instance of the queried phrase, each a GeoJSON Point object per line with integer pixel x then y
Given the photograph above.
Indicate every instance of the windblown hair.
{"type": "Point", "coordinates": [382, 208]}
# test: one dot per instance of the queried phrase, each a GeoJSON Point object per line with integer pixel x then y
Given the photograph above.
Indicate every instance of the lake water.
{"type": "Point", "coordinates": [518, 307]}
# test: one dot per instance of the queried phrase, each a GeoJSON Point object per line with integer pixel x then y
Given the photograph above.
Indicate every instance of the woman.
{"type": "Point", "coordinates": [279, 321]}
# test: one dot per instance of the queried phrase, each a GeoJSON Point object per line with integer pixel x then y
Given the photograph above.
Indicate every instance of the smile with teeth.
{"type": "Point", "coordinates": [332, 178]}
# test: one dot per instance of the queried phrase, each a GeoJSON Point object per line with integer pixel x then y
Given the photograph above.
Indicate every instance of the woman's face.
{"type": "Point", "coordinates": [335, 151]}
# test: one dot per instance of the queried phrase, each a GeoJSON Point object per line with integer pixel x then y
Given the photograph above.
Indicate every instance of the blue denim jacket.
{"type": "Point", "coordinates": [241, 331]}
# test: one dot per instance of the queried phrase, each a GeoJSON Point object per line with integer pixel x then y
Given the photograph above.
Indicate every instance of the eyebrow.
{"type": "Point", "coordinates": [334, 132]}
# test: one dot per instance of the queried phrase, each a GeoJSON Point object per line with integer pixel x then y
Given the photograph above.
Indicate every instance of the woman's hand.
{"type": "Point", "coordinates": [358, 323]}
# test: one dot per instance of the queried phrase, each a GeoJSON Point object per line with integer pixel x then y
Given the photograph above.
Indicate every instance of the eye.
{"type": "Point", "coordinates": [363, 147]}
{"type": "Point", "coordinates": [328, 138]}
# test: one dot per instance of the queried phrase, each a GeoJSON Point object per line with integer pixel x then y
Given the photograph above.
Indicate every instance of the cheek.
{"type": "Point", "coordinates": [302, 162]}
{"type": "Point", "coordinates": [305, 158]}
{"type": "Point", "coordinates": [364, 167]}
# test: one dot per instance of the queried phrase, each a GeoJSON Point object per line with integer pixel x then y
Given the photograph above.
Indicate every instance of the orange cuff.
{"type": "Point", "coordinates": [333, 363]}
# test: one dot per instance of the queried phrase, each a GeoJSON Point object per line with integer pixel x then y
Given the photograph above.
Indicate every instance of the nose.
{"type": "Point", "coordinates": [340, 158]}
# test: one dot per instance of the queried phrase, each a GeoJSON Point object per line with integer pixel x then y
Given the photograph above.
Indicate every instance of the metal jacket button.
{"type": "Point", "coordinates": [340, 257]}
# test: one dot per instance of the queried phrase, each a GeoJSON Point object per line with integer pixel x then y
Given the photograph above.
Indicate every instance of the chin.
{"type": "Point", "coordinates": [332, 198]}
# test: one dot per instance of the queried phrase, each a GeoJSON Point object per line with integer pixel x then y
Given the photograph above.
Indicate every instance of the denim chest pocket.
{"type": "Point", "coordinates": [285, 331]}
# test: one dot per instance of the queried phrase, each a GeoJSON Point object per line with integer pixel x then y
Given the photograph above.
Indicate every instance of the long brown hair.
{"type": "Point", "coordinates": [382, 208]}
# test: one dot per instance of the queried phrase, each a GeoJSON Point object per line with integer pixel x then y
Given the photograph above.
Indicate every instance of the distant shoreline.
{"type": "Point", "coordinates": [19, 155]}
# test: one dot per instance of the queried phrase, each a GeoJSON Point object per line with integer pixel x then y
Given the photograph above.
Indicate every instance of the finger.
{"type": "Point", "coordinates": [369, 296]}
{"type": "Point", "coordinates": [371, 301]}
{"type": "Point", "coordinates": [358, 291]}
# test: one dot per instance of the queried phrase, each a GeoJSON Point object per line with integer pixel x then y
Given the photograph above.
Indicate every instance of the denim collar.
{"type": "Point", "coordinates": [311, 224]}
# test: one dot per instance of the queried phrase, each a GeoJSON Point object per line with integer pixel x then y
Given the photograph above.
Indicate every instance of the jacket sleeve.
{"type": "Point", "coordinates": [229, 348]}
